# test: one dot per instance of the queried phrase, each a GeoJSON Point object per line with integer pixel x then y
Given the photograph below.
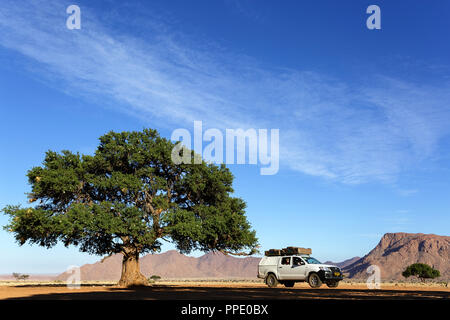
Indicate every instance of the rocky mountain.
{"type": "Point", "coordinates": [396, 251]}
{"type": "Point", "coordinates": [172, 264]}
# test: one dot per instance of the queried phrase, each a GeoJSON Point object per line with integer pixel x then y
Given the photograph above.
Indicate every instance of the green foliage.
{"type": "Point", "coordinates": [422, 271]}
{"type": "Point", "coordinates": [154, 277]}
{"type": "Point", "coordinates": [127, 197]}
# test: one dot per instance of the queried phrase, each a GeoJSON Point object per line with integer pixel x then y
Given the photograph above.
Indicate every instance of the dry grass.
{"type": "Point", "coordinates": [28, 283]}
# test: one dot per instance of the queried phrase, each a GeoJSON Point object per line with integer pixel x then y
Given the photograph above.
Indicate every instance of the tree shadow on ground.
{"type": "Point", "coordinates": [167, 292]}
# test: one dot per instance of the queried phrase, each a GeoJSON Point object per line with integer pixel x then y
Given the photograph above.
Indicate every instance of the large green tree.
{"type": "Point", "coordinates": [129, 196]}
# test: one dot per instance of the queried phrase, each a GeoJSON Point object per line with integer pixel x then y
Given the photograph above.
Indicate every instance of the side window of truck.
{"type": "Point", "coordinates": [298, 262]}
{"type": "Point", "coordinates": [286, 261]}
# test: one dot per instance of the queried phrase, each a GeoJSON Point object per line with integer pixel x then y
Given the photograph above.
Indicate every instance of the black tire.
{"type": "Point", "coordinates": [289, 284]}
{"type": "Point", "coordinates": [271, 280]}
{"type": "Point", "coordinates": [314, 280]}
{"type": "Point", "coordinates": [332, 284]}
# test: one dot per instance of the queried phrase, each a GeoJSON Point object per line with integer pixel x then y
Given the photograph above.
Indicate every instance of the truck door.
{"type": "Point", "coordinates": [298, 268]}
{"type": "Point", "coordinates": [291, 268]}
{"type": "Point", "coordinates": [284, 268]}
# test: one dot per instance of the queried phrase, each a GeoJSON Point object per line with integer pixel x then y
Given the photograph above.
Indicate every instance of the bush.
{"type": "Point", "coordinates": [154, 278]}
{"type": "Point", "coordinates": [421, 271]}
{"type": "Point", "coordinates": [19, 276]}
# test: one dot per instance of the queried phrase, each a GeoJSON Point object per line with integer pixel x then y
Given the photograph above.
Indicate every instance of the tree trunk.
{"type": "Point", "coordinates": [131, 272]}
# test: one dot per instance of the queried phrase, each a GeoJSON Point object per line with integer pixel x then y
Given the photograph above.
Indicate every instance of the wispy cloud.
{"type": "Point", "coordinates": [399, 220]}
{"type": "Point", "coordinates": [407, 192]}
{"type": "Point", "coordinates": [330, 128]}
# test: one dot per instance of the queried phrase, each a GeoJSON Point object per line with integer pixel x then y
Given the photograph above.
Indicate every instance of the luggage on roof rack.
{"type": "Point", "coordinates": [273, 252]}
{"type": "Point", "coordinates": [295, 250]}
{"type": "Point", "coordinates": [287, 251]}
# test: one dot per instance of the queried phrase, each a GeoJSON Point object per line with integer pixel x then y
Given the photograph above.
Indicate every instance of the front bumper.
{"type": "Point", "coordinates": [333, 275]}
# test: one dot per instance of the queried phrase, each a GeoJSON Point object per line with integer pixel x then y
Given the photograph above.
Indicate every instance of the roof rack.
{"type": "Point", "coordinates": [287, 251]}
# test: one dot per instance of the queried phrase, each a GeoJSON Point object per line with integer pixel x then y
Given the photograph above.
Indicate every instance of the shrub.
{"type": "Point", "coordinates": [421, 271]}
{"type": "Point", "coordinates": [19, 276]}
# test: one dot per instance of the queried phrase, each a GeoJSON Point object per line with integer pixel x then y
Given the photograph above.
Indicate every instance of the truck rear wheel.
{"type": "Point", "coordinates": [289, 284]}
{"type": "Point", "coordinates": [314, 280]}
{"type": "Point", "coordinates": [271, 281]}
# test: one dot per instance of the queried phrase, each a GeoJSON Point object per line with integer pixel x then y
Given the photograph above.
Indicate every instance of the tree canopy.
{"type": "Point", "coordinates": [128, 197]}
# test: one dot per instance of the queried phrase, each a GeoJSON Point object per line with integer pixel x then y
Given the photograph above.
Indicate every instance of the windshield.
{"type": "Point", "coordinates": [311, 260]}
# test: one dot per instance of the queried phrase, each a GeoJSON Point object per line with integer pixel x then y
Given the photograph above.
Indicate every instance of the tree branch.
{"type": "Point", "coordinates": [226, 252]}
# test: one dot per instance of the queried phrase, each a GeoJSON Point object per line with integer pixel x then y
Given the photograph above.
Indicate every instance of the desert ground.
{"type": "Point", "coordinates": [218, 290]}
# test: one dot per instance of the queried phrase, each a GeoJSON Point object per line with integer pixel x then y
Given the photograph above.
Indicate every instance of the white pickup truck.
{"type": "Point", "coordinates": [296, 268]}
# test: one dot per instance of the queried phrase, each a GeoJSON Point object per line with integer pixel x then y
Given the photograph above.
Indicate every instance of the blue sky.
{"type": "Point", "coordinates": [363, 114]}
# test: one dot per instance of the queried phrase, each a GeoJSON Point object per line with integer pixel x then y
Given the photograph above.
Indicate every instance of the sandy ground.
{"type": "Point", "coordinates": [174, 290]}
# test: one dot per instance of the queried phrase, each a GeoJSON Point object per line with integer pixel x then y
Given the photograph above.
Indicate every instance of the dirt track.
{"type": "Point", "coordinates": [220, 291]}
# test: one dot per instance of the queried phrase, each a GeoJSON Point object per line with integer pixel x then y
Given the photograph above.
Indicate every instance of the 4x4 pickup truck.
{"type": "Point", "coordinates": [288, 269]}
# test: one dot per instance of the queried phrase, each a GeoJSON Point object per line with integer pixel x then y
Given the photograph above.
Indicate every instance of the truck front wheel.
{"type": "Point", "coordinates": [271, 281]}
{"type": "Point", "coordinates": [333, 284]}
{"type": "Point", "coordinates": [314, 280]}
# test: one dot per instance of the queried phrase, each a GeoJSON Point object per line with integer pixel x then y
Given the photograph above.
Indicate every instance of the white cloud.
{"type": "Point", "coordinates": [329, 127]}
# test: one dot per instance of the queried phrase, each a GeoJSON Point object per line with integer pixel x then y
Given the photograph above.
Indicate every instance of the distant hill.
{"type": "Point", "coordinates": [32, 277]}
{"type": "Point", "coordinates": [344, 263]}
{"type": "Point", "coordinates": [172, 264]}
{"type": "Point", "coordinates": [396, 251]}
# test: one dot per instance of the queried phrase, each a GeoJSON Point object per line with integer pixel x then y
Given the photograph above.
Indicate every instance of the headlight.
{"type": "Point", "coordinates": [325, 268]}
